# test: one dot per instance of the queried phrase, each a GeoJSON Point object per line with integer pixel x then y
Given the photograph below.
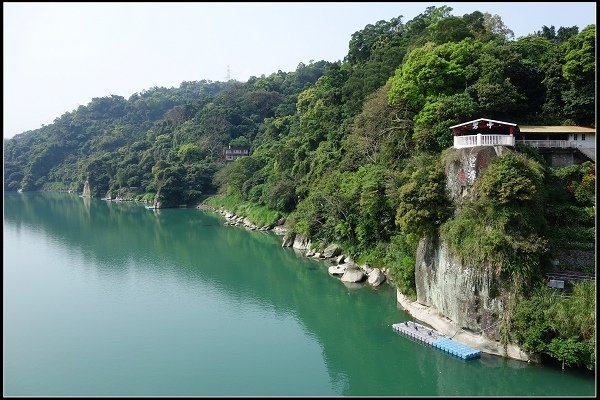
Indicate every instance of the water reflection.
{"type": "Point", "coordinates": [350, 323]}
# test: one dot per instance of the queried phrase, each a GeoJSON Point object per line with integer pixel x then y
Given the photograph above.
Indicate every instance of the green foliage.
{"type": "Point", "coordinates": [423, 205]}
{"type": "Point", "coordinates": [505, 239]}
{"type": "Point", "coordinates": [568, 237]}
{"type": "Point", "coordinates": [579, 180]}
{"type": "Point", "coordinates": [503, 226]}
{"type": "Point", "coordinates": [281, 195]}
{"type": "Point", "coordinates": [400, 259]}
{"type": "Point", "coordinates": [433, 70]}
{"type": "Point", "coordinates": [235, 177]}
{"type": "Point", "coordinates": [565, 214]}
{"type": "Point", "coordinates": [351, 208]}
{"type": "Point", "coordinates": [378, 133]}
{"type": "Point", "coordinates": [431, 131]}
{"type": "Point", "coordinates": [561, 326]}
{"type": "Point", "coordinates": [186, 125]}
{"type": "Point", "coordinates": [533, 329]}
{"type": "Point", "coordinates": [259, 215]}
{"type": "Point", "coordinates": [571, 218]}
{"type": "Point", "coordinates": [189, 152]}
{"type": "Point", "coordinates": [240, 142]}
{"type": "Point", "coordinates": [511, 178]}
{"type": "Point", "coordinates": [579, 72]}
{"type": "Point", "coordinates": [352, 158]}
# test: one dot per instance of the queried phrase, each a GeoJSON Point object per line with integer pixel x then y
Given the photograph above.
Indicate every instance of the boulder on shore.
{"type": "Point", "coordinates": [376, 277]}
{"type": "Point", "coordinates": [332, 250]}
{"type": "Point", "coordinates": [280, 230]}
{"type": "Point", "coordinates": [288, 239]}
{"type": "Point", "coordinates": [365, 268]}
{"type": "Point", "coordinates": [337, 270]}
{"type": "Point", "coordinates": [301, 243]}
{"type": "Point", "coordinates": [353, 275]}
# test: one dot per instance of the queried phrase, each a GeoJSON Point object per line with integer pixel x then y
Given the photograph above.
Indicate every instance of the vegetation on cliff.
{"type": "Point", "coordinates": [350, 151]}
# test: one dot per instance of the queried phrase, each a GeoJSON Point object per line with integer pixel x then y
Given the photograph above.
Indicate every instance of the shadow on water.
{"type": "Point", "coordinates": [352, 326]}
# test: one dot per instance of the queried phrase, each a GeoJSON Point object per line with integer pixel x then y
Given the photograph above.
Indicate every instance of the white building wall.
{"type": "Point", "coordinates": [576, 140]}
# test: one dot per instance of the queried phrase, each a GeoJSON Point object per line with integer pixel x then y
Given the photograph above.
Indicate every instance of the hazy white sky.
{"type": "Point", "coordinates": [58, 56]}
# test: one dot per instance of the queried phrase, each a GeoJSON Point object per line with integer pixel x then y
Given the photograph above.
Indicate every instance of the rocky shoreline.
{"type": "Point", "coordinates": [350, 273]}
{"type": "Point", "coordinates": [342, 266]}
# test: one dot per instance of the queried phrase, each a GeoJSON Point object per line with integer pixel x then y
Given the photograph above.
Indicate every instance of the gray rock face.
{"type": "Point", "coordinates": [464, 166]}
{"type": "Point", "coordinates": [280, 230]}
{"type": "Point", "coordinates": [349, 262]}
{"type": "Point", "coordinates": [376, 277]}
{"type": "Point", "coordinates": [86, 189]}
{"type": "Point", "coordinates": [337, 270]}
{"type": "Point", "coordinates": [301, 243]}
{"type": "Point", "coordinates": [353, 275]}
{"type": "Point", "coordinates": [365, 268]}
{"type": "Point", "coordinates": [331, 251]}
{"type": "Point", "coordinates": [288, 239]}
{"type": "Point", "coordinates": [469, 295]}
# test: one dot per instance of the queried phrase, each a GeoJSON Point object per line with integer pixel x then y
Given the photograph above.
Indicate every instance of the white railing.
{"type": "Point", "coordinates": [562, 144]}
{"type": "Point", "coordinates": [483, 140]}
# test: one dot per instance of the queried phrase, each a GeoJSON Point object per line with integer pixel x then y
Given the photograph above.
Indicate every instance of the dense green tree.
{"type": "Point", "coordinates": [562, 326]}
{"type": "Point", "coordinates": [579, 71]}
{"type": "Point", "coordinates": [423, 205]}
{"type": "Point", "coordinates": [351, 151]}
{"type": "Point", "coordinates": [380, 130]}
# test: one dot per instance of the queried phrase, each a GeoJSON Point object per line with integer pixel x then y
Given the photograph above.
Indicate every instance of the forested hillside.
{"type": "Point", "coordinates": [351, 151]}
{"type": "Point", "coordinates": [169, 139]}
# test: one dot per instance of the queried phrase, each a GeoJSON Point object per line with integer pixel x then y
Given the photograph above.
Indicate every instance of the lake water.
{"type": "Point", "coordinates": [108, 299]}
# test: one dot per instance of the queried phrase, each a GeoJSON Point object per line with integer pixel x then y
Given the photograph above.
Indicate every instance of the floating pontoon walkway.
{"type": "Point", "coordinates": [435, 339]}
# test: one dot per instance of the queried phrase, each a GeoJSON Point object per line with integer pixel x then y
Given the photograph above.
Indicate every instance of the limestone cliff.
{"type": "Point", "coordinates": [468, 295]}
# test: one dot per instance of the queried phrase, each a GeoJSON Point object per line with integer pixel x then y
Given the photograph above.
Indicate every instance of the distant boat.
{"type": "Point", "coordinates": [151, 207]}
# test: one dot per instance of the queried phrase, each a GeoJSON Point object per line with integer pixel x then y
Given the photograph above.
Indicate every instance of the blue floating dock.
{"type": "Point", "coordinates": [435, 339]}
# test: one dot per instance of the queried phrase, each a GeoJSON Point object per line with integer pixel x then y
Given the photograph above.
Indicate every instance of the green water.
{"type": "Point", "coordinates": [113, 299]}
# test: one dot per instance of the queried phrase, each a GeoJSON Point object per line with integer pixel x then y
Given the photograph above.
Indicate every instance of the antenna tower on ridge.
{"type": "Point", "coordinates": [228, 77]}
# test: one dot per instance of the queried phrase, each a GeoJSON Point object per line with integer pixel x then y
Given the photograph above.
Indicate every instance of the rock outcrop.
{"type": "Point", "coordinates": [464, 166]}
{"type": "Point", "coordinates": [353, 275]}
{"type": "Point", "coordinates": [301, 243]}
{"type": "Point", "coordinates": [468, 295]}
{"type": "Point", "coordinates": [288, 239]}
{"type": "Point", "coordinates": [376, 277]}
{"type": "Point", "coordinates": [332, 250]}
{"type": "Point", "coordinates": [86, 189]}
{"type": "Point", "coordinates": [337, 270]}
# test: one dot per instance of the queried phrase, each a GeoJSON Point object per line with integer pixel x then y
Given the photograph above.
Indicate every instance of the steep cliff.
{"type": "Point", "coordinates": [468, 295]}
